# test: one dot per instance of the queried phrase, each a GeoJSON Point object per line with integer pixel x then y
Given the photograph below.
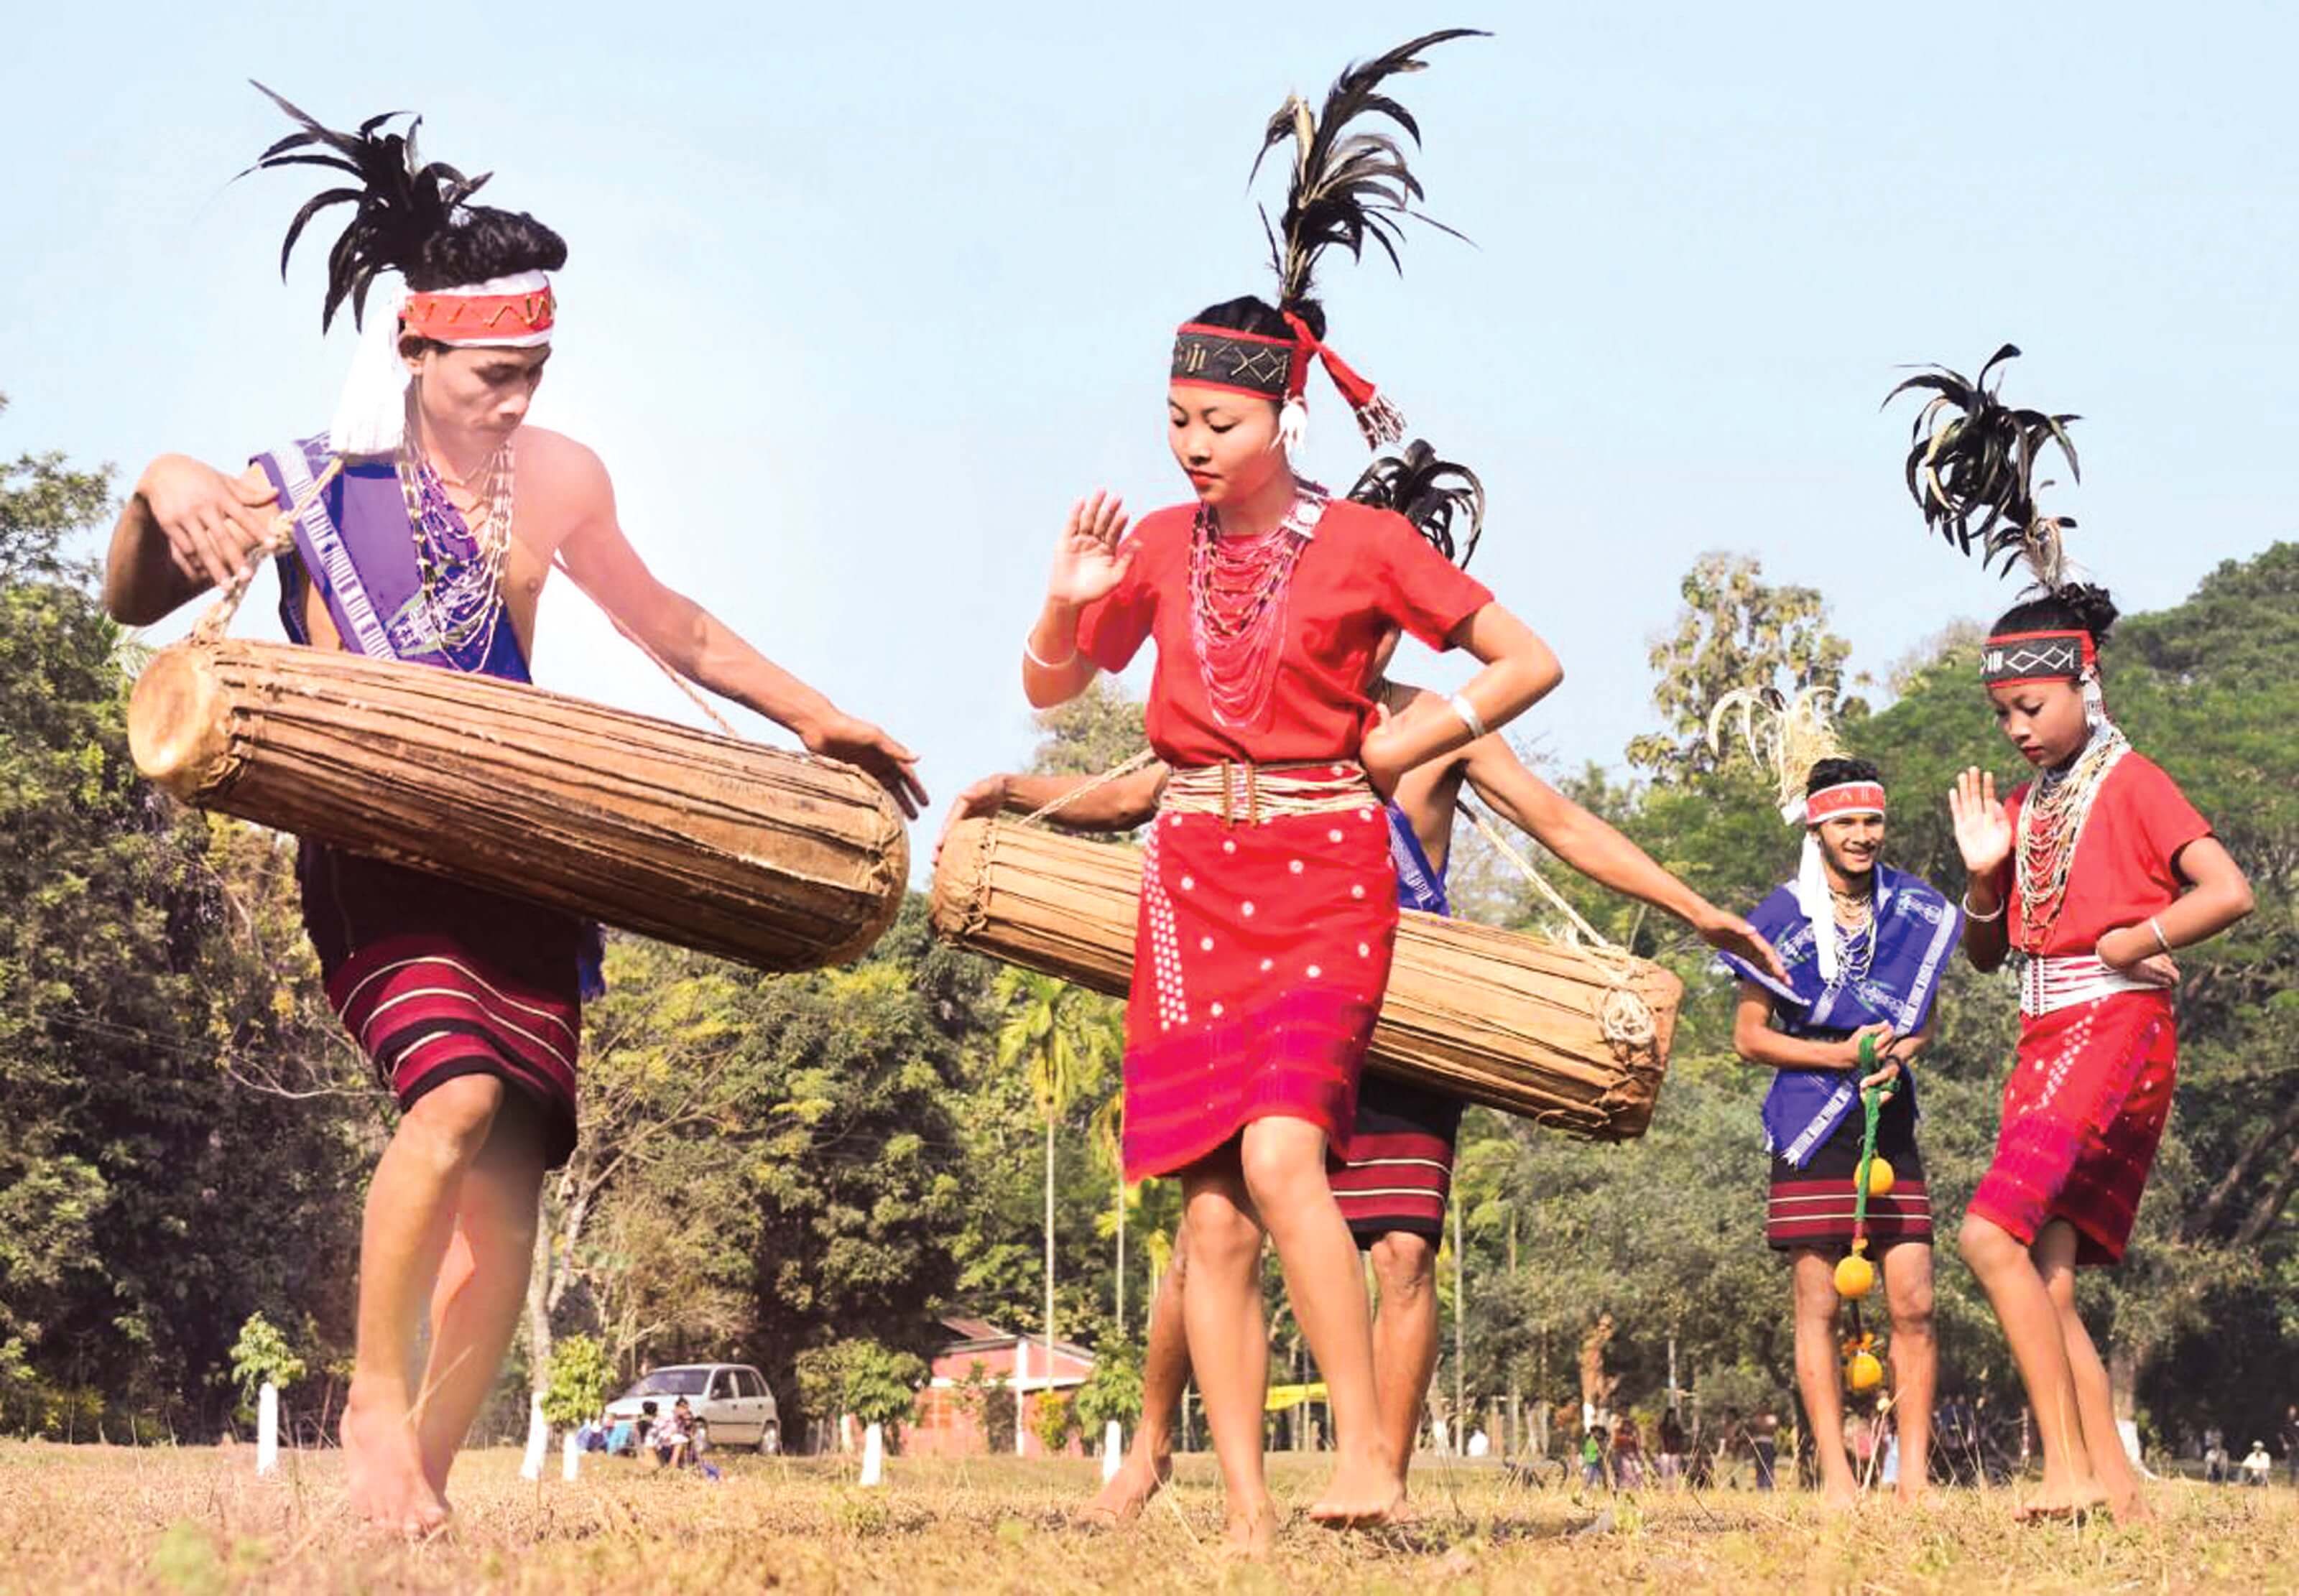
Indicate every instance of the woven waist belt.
{"type": "Point", "coordinates": [2047, 984]}
{"type": "Point", "coordinates": [1254, 795]}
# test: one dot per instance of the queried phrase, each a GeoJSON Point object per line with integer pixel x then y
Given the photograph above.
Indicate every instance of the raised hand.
{"type": "Point", "coordinates": [1729, 933]}
{"type": "Point", "coordinates": [859, 743]}
{"type": "Point", "coordinates": [212, 522]}
{"type": "Point", "coordinates": [1983, 825]}
{"type": "Point", "coordinates": [1087, 563]}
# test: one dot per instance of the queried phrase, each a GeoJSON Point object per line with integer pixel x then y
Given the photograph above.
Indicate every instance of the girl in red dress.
{"type": "Point", "coordinates": [1268, 903]}
{"type": "Point", "coordinates": [2092, 874]}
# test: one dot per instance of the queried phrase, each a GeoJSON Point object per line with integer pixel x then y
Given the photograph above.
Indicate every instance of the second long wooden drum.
{"type": "Point", "coordinates": [1563, 1036]}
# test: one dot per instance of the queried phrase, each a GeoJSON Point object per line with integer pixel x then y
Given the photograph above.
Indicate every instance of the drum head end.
{"type": "Point", "coordinates": [176, 730]}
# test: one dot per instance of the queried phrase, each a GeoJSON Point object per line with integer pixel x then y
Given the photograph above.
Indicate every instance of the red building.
{"type": "Point", "coordinates": [945, 1427]}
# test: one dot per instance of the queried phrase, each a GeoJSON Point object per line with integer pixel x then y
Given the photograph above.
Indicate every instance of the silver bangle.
{"type": "Point", "coordinates": [1975, 916]}
{"type": "Point", "coordinates": [2162, 941]}
{"type": "Point", "coordinates": [1031, 654]}
{"type": "Point", "coordinates": [1468, 713]}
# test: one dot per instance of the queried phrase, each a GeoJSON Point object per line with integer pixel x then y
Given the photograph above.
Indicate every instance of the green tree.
{"type": "Point", "coordinates": [263, 1354]}
{"type": "Point", "coordinates": [875, 1383]}
{"type": "Point", "coordinates": [1054, 1420]}
{"type": "Point", "coordinates": [1055, 1035]}
{"type": "Point", "coordinates": [1113, 1391]}
{"type": "Point", "coordinates": [1735, 630]}
{"type": "Point", "coordinates": [580, 1377]}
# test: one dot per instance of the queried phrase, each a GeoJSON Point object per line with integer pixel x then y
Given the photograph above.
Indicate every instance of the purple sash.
{"type": "Point", "coordinates": [1419, 884]}
{"type": "Point", "coordinates": [355, 543]}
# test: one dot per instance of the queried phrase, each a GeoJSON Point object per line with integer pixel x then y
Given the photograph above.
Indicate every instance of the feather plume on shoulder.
{"type": "Point", "coordinates": [1430, 492]}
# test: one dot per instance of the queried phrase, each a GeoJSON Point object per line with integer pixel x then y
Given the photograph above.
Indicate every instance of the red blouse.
{"type": "Point", "coordinates": [2123, 871]}
{"type": "Point", "coordinates": [1364, 574]}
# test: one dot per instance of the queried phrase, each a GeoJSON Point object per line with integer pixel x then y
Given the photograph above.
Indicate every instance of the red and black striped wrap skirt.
{"type": "Point", "coordinates": [436, 980]}
{"type": "Point", "coordinates": [1262, 957]}
{"type": "Point", "coordinates": [1815, 1206]}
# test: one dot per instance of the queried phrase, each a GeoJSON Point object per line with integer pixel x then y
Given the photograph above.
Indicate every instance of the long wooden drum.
{"type": "Point", "coordinates": [776, 859]}
{"type": "Point", "coordinates": [1555, 1034]}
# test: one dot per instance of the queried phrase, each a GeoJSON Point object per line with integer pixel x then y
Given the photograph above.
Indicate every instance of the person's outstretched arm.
{"type": "Point", "coordinates": [698, 645]}
{"type": "Point", "coordinates": [1599, 851]}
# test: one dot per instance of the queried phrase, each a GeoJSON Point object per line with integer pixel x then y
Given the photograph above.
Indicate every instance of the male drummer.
{"type": "Point", "coordinates": [411, 543]}
{"type": "Point", "coordinates": [1393, 1190]}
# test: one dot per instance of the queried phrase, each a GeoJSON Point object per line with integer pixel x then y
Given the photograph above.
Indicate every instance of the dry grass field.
{"type": "Point", "coordinates": [197, 1521]}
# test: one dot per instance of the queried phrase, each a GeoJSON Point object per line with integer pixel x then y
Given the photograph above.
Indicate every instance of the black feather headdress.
{"type": "Point", "coordinates": [400, 203]}
{"type": "Point", "coordinates": [1971, 467]}
{"type": "Point", "coordinates": [1432, 493]}
{"type": "Point", "coordinates": [1349, 185]}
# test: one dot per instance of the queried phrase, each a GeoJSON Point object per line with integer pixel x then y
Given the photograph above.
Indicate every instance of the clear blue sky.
{"type": "Point", "coordinates": [858, 303]}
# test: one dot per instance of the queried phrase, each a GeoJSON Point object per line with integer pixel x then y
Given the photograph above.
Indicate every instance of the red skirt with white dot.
{"type": "Point", "coordinates": [2083, 1112]}
{"type": "Point", "coordinates": [1261, 956]}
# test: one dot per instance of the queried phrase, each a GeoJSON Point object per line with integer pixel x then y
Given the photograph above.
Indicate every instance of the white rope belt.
{"type": "Point", "coordinates": [2047, 984]}
{"type": "Point", "coordinates": [1254, 795]}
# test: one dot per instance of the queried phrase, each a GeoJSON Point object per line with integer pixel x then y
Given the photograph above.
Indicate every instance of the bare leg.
{"type": "Point", "coordinates": [478, 1306]}
{"type": "Point", "coordinates": [1404, 1337]}
{"type": "Point", "coordinates": [1819, 1379]}
{"type": "Point", "coordinates": [1915, 1359]}
{"type": "Point", "coordinates": [410, 1213]}
{"type": "Point", "coordinates": [2111, 1465]}
{"type": "Point", "coordinates": [1284, 1164]}
{"type": "Point", "coordinates": [1228, 1342]}
{"type": "Point", "coordinates": [2031, 1323]}
{"type": "Point", "coordinates": [1164, 1374]}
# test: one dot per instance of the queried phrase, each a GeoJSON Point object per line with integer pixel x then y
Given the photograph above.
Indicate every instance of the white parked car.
{"type": "Point", "coordinates": [731, 1398]}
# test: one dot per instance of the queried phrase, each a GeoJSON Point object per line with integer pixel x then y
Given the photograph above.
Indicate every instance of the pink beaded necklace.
{"type": "Point", "coordinates": [1238, 589]}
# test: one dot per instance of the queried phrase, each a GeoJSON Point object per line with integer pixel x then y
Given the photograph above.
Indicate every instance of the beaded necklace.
{"type": "Point", "coordinates": [2051, 825]}
{"type": "Point", "coordinates": [460, 565]}
{"type": "Point", "coordinates": [1237, 590]}
{"type": "Point", "coordinates": [1856, 940]}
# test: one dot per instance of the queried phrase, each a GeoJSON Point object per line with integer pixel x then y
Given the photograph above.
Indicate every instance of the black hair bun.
{"type": "Point", "coordinates": [2089, 607]}
{"type": "Point", "coordinates": [484, 244]}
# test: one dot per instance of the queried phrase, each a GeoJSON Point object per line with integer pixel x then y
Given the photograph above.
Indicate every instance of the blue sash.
{"type": "Point", "coordinates": [1419, 884]}
{"type": "Point", "coordinates": [1915, 930]}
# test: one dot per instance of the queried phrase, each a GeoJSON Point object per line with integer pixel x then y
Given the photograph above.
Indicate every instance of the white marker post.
{"type": "Point", "coordinates": [570, 1459]}
{"type": "Point", "coordinates": [267, 1430]}
{"type": "Point", "coordinates": [874, 1455]}
{"type": "Point", "coordinates": [1113, 1449]}
{"type": "Point", "coordinates": [538, 1438]}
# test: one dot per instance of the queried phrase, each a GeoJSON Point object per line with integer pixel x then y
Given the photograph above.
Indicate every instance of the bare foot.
{"type": "Point", "coordinates": [2131, 1507]}
{"type": "Point", "coordinates": [1923, 1499]}
{"type": "Point", "coordinates": [2060, 1504]}
{"type": "Point", "coordinates": [1252, 1533]}
{"type": "Point", "coordinates": [1124, 1493]}
{"type": "Point", "coordinates": [1837, 1499]}
{"type": "Point", "coordinates": [388, 1489]}
{"type": "Point", "coordinates": [1365, 1491]}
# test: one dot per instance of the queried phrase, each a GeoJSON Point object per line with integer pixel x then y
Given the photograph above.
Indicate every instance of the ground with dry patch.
{"type": "Point", "coordinates": [198, 1521]}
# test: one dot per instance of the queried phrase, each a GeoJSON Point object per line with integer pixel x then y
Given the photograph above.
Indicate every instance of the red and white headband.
{"type": "Point", "coordinates": [1845, 797]}
{"type": "Point", "coordinates": [513, 312]}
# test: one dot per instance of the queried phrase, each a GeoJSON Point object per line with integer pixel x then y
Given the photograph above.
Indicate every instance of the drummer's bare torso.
{"type": "Point", "coordinates": [1429, 794]}
{"type": "Point", "coordinates": [561, 494]}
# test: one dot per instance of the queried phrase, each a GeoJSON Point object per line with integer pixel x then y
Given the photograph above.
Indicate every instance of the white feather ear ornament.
{"type": "Point", "coordinates": [1294, 424]}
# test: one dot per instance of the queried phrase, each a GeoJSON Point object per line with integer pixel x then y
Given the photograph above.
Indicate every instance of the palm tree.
{"type": "Point", "coordinates": [1108, 1133]}
{"type": "Point", "coordinates": [1052, 1029]}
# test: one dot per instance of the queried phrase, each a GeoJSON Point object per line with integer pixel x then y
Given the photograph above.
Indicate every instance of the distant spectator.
{"type": "Point", "coordinates": [1592, 1459]}
{"type": "Point", "coordinates": [2257, 1465]}
{"type": "Point", "coordinates": [1671, 1457]}
{"type": "Point", "coordinates": [672, 1439]}
{"type": "Point", "coordinates": [2290, 1439]}
{"type": "Point", "coordinates": [1479, 1443]}
{"type": "Point", "coordinates": [1628, 1455]}
{"type": "Point", "coordinates": [2215, 1457]}
{"type": "Point", "coordinates": [1764, 1440]}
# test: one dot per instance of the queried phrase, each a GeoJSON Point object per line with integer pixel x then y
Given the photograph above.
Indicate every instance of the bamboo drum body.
{"type": "Point", "coordinates": [1515, 1023]}
{"type": "Point", "coordinates": [778, 860]}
